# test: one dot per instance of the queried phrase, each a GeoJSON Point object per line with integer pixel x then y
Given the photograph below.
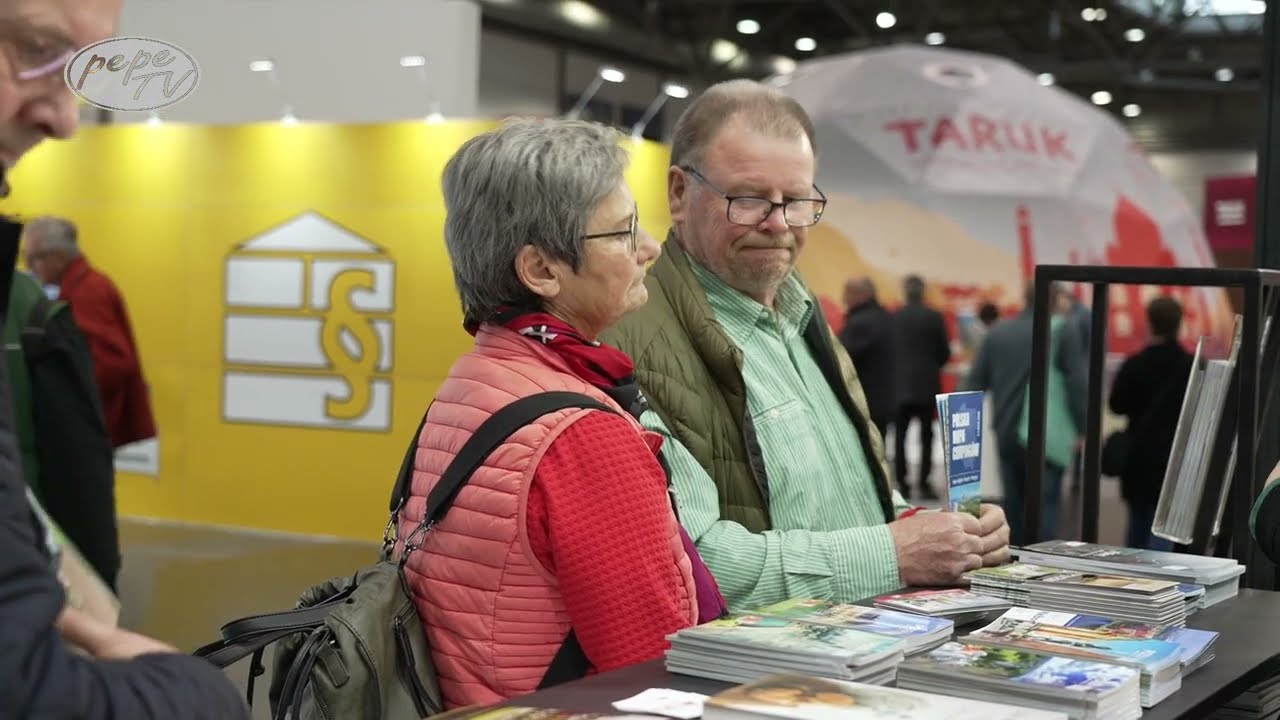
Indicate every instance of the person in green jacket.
{"type": "Point", "coordinates": [779, 472]}
{"type": "Point", "coordinates": [1264, 523]}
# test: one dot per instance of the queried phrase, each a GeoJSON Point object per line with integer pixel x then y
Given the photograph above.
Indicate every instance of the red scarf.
{"type": "Point", "coordinates": [597, 363]}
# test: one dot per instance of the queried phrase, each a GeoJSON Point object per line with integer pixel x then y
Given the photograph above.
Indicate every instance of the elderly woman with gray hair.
{"type": "Point", "coordinates": [567, 531]}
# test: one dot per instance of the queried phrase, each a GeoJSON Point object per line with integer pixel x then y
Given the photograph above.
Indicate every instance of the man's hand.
{"type": "Point", "coordinates": [103, 641]}
{"type": "Point", "coordinates": [995, 535]}
{"type": "Point", "coordinates": [936, 548]}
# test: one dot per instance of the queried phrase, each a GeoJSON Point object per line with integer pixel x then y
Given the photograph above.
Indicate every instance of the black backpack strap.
{"type": "Point", "coordinates": [570, 663]}
{"type": "Point", "coordinates": [492, 433]}
{"type": "Point", "coordinates": [401, 490]}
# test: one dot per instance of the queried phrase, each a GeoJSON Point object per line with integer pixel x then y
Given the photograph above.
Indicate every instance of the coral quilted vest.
{"type": "Point", "coordinates": [494, 616]}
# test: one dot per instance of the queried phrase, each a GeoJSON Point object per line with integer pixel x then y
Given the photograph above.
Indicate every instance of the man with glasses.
{"type": "Point", "coordinates": [779, 472]}
{"type": "Point", "coordinates": [111, 673]}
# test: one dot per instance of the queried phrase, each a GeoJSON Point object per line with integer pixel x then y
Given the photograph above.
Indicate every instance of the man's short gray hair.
{"type": "Point", "coordinates": [529, 182]}
{"type": "Point", "coordinates": [764, 109]}
{"type": "Point", "coordinates": [56, 234]}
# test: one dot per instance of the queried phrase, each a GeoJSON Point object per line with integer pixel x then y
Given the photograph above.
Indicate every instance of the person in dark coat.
{"type": "Point", "coordinates": [923, 350]}
{"type": "Point", "coordinates": [1148, 390]}
{"type": "Point", "coordinates": [116, 673]}
{"type": "Point", "coordinates": [868, 337]}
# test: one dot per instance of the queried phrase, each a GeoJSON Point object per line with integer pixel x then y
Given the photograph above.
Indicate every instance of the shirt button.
{"type": "Point", "coordinates": [773, 414]}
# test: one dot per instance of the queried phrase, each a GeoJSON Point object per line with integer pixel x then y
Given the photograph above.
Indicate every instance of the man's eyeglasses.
{"type": "Point", "coordinates": [751, 210]}
{"type": "Point", "coordinates": [630, 232]}
{"type": "Point", "coordinates": [33, 52]}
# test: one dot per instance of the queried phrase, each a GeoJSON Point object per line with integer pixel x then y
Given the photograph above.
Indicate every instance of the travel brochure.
{"type": "Point", "coordinates": [960, 419]}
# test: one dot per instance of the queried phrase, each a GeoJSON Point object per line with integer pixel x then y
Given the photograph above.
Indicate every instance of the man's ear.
{"type": "Point", "coordinates": [678, 188]}
{"type": "Point", "coordinates": [538, 272]}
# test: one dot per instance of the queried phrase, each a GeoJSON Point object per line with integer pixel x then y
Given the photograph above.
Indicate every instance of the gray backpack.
{"type": "Point", "coordinates": [355, 647]}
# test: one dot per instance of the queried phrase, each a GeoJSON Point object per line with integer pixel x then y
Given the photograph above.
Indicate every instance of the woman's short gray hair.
{"type": "Point", "coordinates": [529, 182]}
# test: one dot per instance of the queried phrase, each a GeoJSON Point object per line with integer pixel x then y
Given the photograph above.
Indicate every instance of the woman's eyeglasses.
{"type": "Point", "coordinates": [630, 232]}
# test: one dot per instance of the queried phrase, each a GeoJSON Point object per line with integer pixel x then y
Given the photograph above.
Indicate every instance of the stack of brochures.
{"type": "Point", "coordinates": [1260, 702]}
{"type": "Point", "coordinates": [959, 606]}
{"type": "Point", "coordinates": [1219, 576]}
{"type": "Point", "coordinates": [1138, 599]}
{"type": "Point", "coordinates": [1009, 582]}
{"type": "Point", "coordinates": [1155, 602]}
{"type": "Point", "coordinates": [746, 647]}
{"type": "Point", "coordinates": [1083, 689]}
{"type": "Point", "coordinates": [794, 697]}
{"type": "Point", "coordinates": [1067, 635]}
{"type": "Point", "coordinates": [917, 633]}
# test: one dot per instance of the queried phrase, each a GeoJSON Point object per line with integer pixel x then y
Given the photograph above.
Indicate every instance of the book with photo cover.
{"type": "Point", "coordinates": [798, 697]}
{"type": "Point", "coordinates": [943, 603]}
{"type": "Point", "coordinates": [916, 631]}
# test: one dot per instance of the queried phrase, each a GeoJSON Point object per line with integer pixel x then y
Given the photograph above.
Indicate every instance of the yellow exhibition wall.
{"type": "Point", "coordinates": [292, 299]}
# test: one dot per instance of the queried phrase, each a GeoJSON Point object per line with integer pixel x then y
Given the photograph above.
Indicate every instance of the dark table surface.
{"type": "Point", "coordinates": [1247, 651]}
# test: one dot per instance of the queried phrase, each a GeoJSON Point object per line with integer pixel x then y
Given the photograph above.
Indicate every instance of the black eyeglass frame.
{"type": "Point", "coordinates": [633, 232]}
{"type": "Point", "coordinates": [786, 202]}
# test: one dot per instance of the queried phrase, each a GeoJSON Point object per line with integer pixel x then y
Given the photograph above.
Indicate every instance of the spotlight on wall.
{"type": "Point", "coordinates": [261, 66]}
{"type": "Point", "coordinates": [409, 61]}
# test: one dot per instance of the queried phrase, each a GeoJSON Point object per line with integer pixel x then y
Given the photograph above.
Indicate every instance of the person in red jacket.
{"type": "Point", "coordinates": [53, 254]}
{"type": "Point", "coordinates": [566, 534]}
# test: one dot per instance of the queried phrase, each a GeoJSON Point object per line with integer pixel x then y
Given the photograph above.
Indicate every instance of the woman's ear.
{"type": "Point", "coordinates": [538, 273]}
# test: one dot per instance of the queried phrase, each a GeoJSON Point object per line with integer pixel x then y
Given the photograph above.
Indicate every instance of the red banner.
{"type": "Point", "coordinates": [1229, 212]}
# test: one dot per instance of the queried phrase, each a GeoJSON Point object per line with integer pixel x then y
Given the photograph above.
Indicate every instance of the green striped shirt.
{"type": "Point", "coordinates": [828, 539]}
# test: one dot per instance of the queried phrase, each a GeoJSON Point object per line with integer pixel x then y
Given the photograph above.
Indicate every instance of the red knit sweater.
{"type": "Point", "coordinates": [606, 542]}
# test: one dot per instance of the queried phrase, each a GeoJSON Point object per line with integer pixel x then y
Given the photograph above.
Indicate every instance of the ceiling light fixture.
{"type": "Point", "coordinates": [1046, 79]}
{"type": "Point", "coordinates": [582, 14]}
{"type": "Point", "coordinates": [722, 51]}
{"type": "Point", "coordinates": [783, 65]}
{"type": "Point", "coordinates": [1132, 110]}
{"type": "Point", "coordinates": [747, 26]}
{"type": "Point", "coordinates": [1225, 75]}
{"type": "Point", "coordinates": [935, 38]}
{"type": "Point", "coordinates": [1135, 35]}
{"type": "Point", "coordinates": [261, 66]}
{"type": "Point", "coordinates": [612, 74]}
{"type": "Point", "coordinates": [806, 44]}
{"type": "Point", "coordinates": [409, 61]}
{"type": "Point", "coordinates": [676, 90]}
{"type": "Point", "coordinates": [886, 20]}
{"type": "Point", "coordinates": [1102, 97]}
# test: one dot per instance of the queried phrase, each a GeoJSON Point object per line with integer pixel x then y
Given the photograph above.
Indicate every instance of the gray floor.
{"type": "Point", "coordinates": [181, 583]}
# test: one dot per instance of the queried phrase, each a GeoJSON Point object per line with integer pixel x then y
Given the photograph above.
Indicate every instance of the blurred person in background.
{"type": "Point", "coordinates": [1148, 391]}
{"type": "Point", "coordinates": [56, 661]}
{"type": "Point", "coordinates": [1003, 369]}
{"type": "Point", "coordinates": [578, 537]}
{"type": "Point", "coordinates": [52, 252]}
{"type": "Point", "coordinates": [868, 337]}
{"type": "Point", "coordinates": [923, 350]}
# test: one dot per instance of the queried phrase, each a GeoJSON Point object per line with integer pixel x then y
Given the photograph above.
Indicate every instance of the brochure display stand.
{"type": "Point", "coordinates": [1234, 478]}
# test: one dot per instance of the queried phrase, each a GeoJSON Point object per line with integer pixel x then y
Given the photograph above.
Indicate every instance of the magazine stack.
{"type": "Point", "coordinates": [794, 697]}
{"type": "Point", "coordinates": [917, 633]}
{"type": "Point", "coordinates": [746, 647]}
{"type": "Point", "coordinates": [1219, 576]}
{"type": "Point", "coordinates": [959, 606]}
{"type": "Point", "coordinates": [1137, 599]}
{"type": "Point", "coordinates": [1083, 689]}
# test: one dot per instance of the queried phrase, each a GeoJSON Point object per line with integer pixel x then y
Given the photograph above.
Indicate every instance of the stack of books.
{"type": "Point", "coordinates": [959, 606]}
{"type": "Point", "coordinates": [746, 647]}
{"type": "Point", "coordinates": [1083, 689]}
{"type": "Point", "coordinates": [1009, 582]}
{"type": "Point", "coordinates": [917, 633]}
{"type": "Point", "coordinates": [1138, 599]}
{"type": "Point", "coordinates": [1155, 602]}
{"type": "Point", "coordinates": [1219, 576]}
{"type": "Point", "coordinates": [1262, 701]}
{"type": "Point", "coordinates": [793, 697]}
{"type": "Point", "coordinates": [1064, 635]}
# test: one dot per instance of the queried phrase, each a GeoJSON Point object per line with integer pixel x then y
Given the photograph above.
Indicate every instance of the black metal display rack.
{"type": "Point", "coordinates": [1254, 383]}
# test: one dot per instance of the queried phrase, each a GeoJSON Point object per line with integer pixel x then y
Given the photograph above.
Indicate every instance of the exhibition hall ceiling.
{"type": "Point", "coordinates": [1191, 67]}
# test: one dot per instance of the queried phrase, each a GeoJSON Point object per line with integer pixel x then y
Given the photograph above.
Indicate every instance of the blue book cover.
{"type": "Point", "coordinates": [960, 417]}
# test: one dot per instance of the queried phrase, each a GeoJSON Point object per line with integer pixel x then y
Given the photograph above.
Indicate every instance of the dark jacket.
{"type": "Point", "coordinates": [39, 676]}
{"type": "Point", "coordinates": [923, 350]}
{"type": "Point", "coordinates": [1148, 390]}
{"type": "Point", "coordinates": [869, 339]}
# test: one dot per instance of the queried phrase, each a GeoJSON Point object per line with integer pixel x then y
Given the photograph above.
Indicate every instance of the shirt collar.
{"type": "Point", "coordinates": [741, 316]}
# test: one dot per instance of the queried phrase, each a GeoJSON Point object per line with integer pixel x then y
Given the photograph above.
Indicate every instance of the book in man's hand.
{"type": "Point", "coordinates": [796, 697]}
